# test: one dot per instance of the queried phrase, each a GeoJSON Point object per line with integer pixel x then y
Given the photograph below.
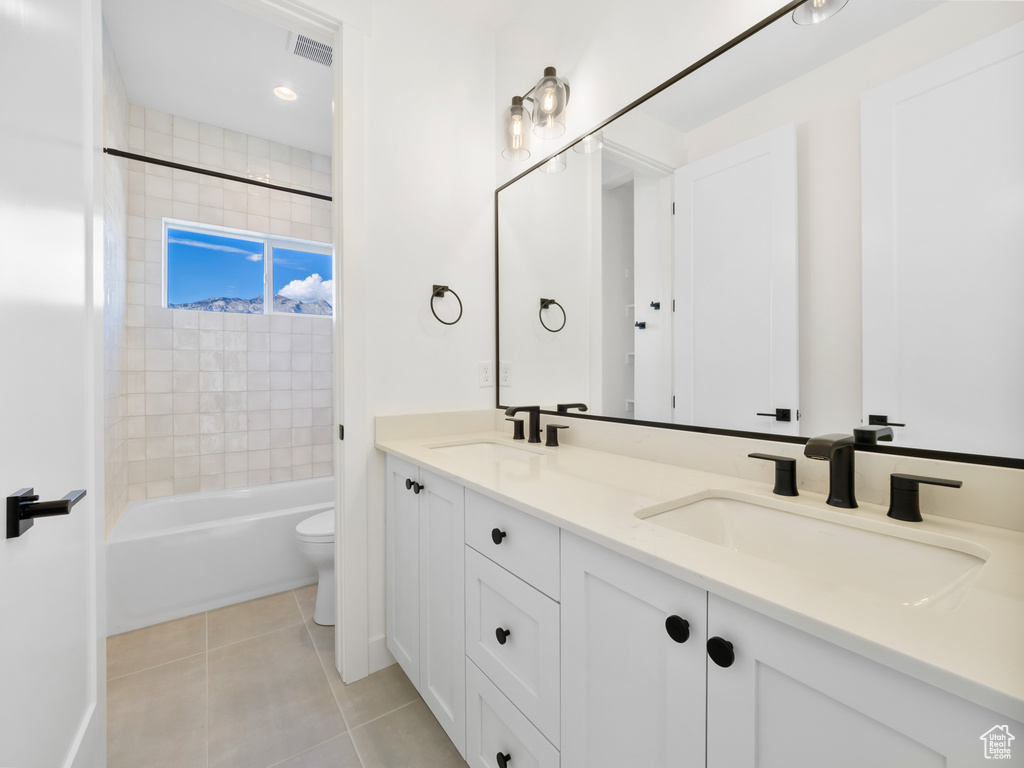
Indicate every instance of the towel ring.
{"type": "Point", "coordinates": [439, 292]}
{"type": "Point", "coordinates": [544, 304]}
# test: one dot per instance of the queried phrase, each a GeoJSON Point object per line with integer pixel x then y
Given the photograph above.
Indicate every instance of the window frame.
{"type": "Point", "coordinates": [268, 241]}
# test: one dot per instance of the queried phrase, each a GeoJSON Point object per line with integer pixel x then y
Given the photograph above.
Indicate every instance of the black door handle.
{"type": "Point", "coordinates": [781, 414]}
{"type": "Point", "coordinates": [497, 535]}
{"type": "Point", "coordinates": [678, 628]}
{"type": "Point", "coordinates": [412, 485]}
{"type": "Point", "coordinates": [503, 759]}
{"type": "Point", "coordinates": [23, 506]}
{"type": "Point", "coordinates": [721, 652]}
{"type": "Point", "coordinates": [502, 635]}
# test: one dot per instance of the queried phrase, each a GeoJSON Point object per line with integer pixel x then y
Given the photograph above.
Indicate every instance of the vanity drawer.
{"type": "Point", "coordinates": [529, 547]}
{"type": "Point", "coordinates": [524, 663]}
{"type": "Point", "coordinates": [494, 725]}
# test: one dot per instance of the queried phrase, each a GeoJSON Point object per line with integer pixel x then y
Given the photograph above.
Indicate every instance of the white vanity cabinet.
{"type": "Point", "coordinates": [426, 589]}
{"type": "Point", "coordinates": [790, 700]}
{"type": "Point", "coordinates": [512, 637]}
{"type": "Point", "coordinates": [631, 695]}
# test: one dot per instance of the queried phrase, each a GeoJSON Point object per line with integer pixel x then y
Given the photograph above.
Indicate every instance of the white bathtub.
{"type": "Point", "coordinates": [178, 555]}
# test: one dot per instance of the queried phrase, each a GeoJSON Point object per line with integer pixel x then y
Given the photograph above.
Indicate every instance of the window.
{"type": "Point", "coordinates": [215, 269]}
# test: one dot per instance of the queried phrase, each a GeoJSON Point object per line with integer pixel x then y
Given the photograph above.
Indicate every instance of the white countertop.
{"type": "Point", "coordinates": [974, 650]}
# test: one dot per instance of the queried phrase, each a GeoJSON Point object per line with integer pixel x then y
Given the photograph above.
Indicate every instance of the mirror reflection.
{"type": "Point", "coordinates": [818, 229]}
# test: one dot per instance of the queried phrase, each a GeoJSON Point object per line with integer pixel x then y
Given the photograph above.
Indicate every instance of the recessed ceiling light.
{"type": "Point", "coordinates": [286, 93]}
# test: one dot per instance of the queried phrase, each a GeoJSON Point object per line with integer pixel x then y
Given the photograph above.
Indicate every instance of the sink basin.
{"type": "Point", "coordinates": [887, 563]}
{"type": "Point", "coordinates": [488, 450]}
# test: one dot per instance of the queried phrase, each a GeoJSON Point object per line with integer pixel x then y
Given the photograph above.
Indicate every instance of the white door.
{"type": "Point", "coordinates": [632, 694]}
{"type": "Point", "coordinates": [51, 685]}
{"type": "Point", "coordinates": [735, 281]}
{"type": "Point", "coordinates": [403, 566]}
{"type": "Point", "coordinates": [443, 604]}
{"type": "Point", "coordinates": [943, 194]}
{"type": "Point", "coordinates": [790, 700]}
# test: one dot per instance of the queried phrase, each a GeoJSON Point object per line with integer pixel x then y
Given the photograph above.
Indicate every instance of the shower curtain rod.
{"type": "Point", "coordinates": [215, 174]}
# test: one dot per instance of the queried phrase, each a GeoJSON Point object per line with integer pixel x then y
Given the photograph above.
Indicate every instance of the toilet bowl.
{"type": "Point", "coordinates": [315, 538]}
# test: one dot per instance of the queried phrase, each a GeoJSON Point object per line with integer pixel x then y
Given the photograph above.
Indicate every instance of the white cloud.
{"type": "Point", "coordinates": [182, 238]}
{"type": "Point", "coordinates": [313, 288]}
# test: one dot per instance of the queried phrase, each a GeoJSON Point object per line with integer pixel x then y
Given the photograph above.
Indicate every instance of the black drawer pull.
{"type": "Point", "coordinates": [412, 485]}
{"type": "Point", "coordinates": [678, 628]}
{"type": "Point", "coordinates": [497, 535]}
{"type": "Point", "coordinates": [503, 759]}
{"type": "Point", "coordinates": [721, 652]}
{"type": "Point", "coordinates": [502, 635]}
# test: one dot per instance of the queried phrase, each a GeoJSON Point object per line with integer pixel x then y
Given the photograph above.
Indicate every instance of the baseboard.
{"type": "Point", "coordinates": [380, 656]}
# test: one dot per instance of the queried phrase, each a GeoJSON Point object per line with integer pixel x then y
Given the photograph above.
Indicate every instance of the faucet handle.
{"type": "Point", "coordinates": [904, 496]}
{"type": "Point", "coordinates": [517, 429]}
{"type": "Point", "coordinates": [552, 434]}
{"type": "Point", "coordinates": [785, 473]}
{"type": "Point", "coordinates": [873, 435]}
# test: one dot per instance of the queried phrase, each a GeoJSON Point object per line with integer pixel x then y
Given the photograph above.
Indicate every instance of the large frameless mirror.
{"type": "Point", "coordinates": [818, 228]}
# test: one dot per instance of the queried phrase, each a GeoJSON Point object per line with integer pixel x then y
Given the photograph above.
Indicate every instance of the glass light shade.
{"type": "Point", "coordinates": [555, 165]}
{"type": "Point", "coordinates": [550, 96]}
{"type": "Point", "coordinates": [815, 11]}
{"type": "Point", "coordinates": [588, 144]}
{"type": "Point", "coordinates": [516, 131]}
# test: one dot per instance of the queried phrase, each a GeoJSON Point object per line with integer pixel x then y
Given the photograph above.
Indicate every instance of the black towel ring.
{"type": "Point", "coordinates": [544, 304]}
{"type": "Point", "coordinates": [439, 292]}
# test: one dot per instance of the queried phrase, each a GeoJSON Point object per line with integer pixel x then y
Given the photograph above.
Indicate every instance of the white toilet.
{"type": "Point", "coordinates": [315, 537]}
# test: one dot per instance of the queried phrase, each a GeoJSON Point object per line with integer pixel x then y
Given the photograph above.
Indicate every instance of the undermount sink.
{"type": "Point", "coordinates": [886, 562]}
{"type": "Point", "coordinates": [488, 450]}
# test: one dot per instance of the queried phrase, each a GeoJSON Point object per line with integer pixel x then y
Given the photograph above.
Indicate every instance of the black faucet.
{"type": "Point", "coordinates": [837, 450]}
{"type": "Point", "coordinates": [564, 407]}
{"type": "Point", "coordinates": [534, 411]}
{"type": "Point", "coordinates": [873, 435]}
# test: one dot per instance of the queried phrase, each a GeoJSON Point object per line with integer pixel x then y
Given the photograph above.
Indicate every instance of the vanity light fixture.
{"type": "Point", "coordinates": [517, 126]}
{"type": "Point", "coordinates": [549, 97]}
{"type": "Point", "coordinates": [285, 93]}
{"type": "Point", "coordinates": [555, 165]}
{"type": "Point", "coordinates": [815, 11]}
{"type": "Point", "coordinates": [588, 144]}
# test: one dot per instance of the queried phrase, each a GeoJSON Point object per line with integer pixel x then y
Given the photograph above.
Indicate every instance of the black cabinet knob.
{"type": "Point", "coordinates": [721, 652]}
{"type": "Point", "coordinates": [412, 485]}
{"type": "Point", "coordinates": [497, 535]}
{"type": "Point", "coordinates": [678, 628]}
{"type": "Point", "coordinates": [502, 635]}
{"type": "Point", "coordinates": [503, 759]}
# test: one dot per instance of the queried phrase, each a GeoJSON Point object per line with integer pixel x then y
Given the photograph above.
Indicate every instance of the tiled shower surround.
{"type": "Point", "coordinates": [220, 400]}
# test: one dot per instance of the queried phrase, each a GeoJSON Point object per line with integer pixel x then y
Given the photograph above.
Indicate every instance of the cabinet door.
{"type": "Point", "coordinates": [442, 682]}
{"type": "Point", "coordinates": [402, 568]}
{"type": "Point", "coordinates": [631, 695]}
{"type": "Point", "coordinates": [790, 700]}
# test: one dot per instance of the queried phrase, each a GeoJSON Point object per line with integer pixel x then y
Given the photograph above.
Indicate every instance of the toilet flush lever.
{"type": "Point", "coordinates": [23, 507]}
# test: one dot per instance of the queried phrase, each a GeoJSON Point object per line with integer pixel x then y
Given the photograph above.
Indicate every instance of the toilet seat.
{"type": "Point", "coordinates": [318, 528]}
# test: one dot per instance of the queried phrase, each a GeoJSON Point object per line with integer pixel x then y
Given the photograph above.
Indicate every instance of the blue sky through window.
{"type": "Point", "coordinates": [203, 266]}
{"type": "Point", "coordinates": [303, 276]}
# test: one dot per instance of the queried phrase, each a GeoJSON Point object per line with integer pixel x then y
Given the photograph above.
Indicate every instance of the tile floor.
{"type": "Point", "coordinates": [253, 685]}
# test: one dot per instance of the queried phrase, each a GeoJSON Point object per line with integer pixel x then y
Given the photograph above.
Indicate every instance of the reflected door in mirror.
{"type": "Point", "coordinates": [735, 286]}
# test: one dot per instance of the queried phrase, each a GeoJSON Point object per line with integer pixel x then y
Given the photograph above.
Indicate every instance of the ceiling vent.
{"type": "Point", "coordinates": [310, 49]}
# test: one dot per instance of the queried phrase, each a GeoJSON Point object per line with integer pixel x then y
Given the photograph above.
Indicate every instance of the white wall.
{"type": "Point", "coordinates": [115, 277]}
{"type": "Point", "coordinates": [426, 217]}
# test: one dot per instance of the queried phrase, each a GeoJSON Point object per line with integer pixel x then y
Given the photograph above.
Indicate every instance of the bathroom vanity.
{"type": "Point", "coordinates": [549, 617]}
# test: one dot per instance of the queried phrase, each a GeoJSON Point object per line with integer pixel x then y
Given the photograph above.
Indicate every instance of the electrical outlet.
{"type": "Point", "coordinates": [485, 373]}
{"type": "Point", "coordinates": [504, 374]}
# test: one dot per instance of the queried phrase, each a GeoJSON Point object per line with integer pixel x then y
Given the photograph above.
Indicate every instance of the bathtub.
{"type": "Point", "coordinates": [177, 555]}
